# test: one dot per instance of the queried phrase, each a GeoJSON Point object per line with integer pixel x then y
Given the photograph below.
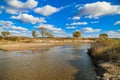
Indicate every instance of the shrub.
{"type": "Point", "coordinates": [107, 50]}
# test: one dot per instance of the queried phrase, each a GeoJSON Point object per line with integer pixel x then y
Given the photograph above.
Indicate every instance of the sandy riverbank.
{"type": "Point", "coordinates": [38, 43]}
{"type": "Point", "coordinates": [31, 46]}
{"type": "Point", "coordinates": [27, 46]}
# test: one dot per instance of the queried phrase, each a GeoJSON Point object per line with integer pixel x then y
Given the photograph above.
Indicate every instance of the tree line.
{"type": "Point", "coordinates": [46, 33]}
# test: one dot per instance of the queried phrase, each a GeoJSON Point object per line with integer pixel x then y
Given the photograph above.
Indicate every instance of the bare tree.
{"type": "Point", "coordinates": [43, 31]}
{"type": "Point", "coordinates": [34, 33]}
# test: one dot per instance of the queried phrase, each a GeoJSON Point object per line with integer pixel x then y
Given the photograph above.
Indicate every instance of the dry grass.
{"type": "Point", "coordinates": [106, 49]}
{"type": "Point", "coordinates": [23, 43]}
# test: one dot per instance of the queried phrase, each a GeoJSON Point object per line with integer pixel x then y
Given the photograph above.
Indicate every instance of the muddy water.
{"type": "Point", "coordinates": [57, 63]}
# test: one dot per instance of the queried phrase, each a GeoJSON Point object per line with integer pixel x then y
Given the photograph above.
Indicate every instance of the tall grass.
{"type": "Point", "coordinates": [105, 49]}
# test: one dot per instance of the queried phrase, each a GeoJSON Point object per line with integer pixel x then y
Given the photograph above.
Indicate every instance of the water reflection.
{"type": "Point", "coordinates": [56, 63]}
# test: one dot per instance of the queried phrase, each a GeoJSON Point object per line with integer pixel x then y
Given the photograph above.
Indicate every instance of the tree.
{"type": "Point", "coordinates": [77, 34]}
{"type": "Point", "coordinates": [49, 34]}
{"type": "Point", "coordinates": [5, 33]}
{"type": "Point", "coordinates": [34, 33]}
{"type": "Point", "coordinates": [43, 31]}
{"type": "Point", "coordinates": [104, 36]}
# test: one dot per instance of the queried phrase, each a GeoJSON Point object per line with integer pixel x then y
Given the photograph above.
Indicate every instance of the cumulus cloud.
{"type": "Point", "coordinates": [70, 27]}
{"type": "Point", "coordinates": [89, 29]}
{"type": "Point", "coordinates": [114, 34]}
{"type": "Point", "coordinates": [1, 8]}
{"type": "Point", "coordinates": [28, 18]}
{"type": "Point", "coordinates": [117, 23]}
{"type": "Point", "coordinates": [18, 28]}
{"type": "Point", "coordinates": [20, 33]}
{"type": "Point", "coordinates": [46, 10]}
{"type": "Point", "coordinates": [97, 9]}
{"type": "Point", "coordinates": [78, 23]}
{"type": "Point", "coordinates": [50, 27]}
{"type": "Point", "coordinates": [5, 25]}
{"type": "Point", "coordinates": [16, 6]}
{"type": "Point", "coordinates": [11, 11]}
{"type": "Point", "coordinates": [76, 18]}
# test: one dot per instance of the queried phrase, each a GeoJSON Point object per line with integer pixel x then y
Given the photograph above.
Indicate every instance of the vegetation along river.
{"type": "Point", "coordinates": [69, 62]}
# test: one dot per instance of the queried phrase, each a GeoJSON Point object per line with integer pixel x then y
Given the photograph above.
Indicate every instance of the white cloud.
{"type": "Point", "coordinates": [5, 23]}
{"type": "Point", "coordinates": [91, 35]}
{"type": "Point", "coordinates": [50, 27]}
{"type": "Point", "coordinates": [117, 23]}
{"type": "Point", "coordinates": [31, 4]}
{"type": "Point", "coordinates": [11, 11]}
{"type": "Point", "coordinates": [1, 29]}
{"type": "Point", "coordinates": [78, 23]}
{"type": "Point", "coordinates": [97, 9]}
{"type": "Point", "coordinates": [76, 18]}
{"type": "Point", "coordinates": [111, 33]}
{"type": "Point", "coordinates": [14, 32]}
{"type": "Point", "coordinates": [8, 25]}
{"type": "Point", "coordinates": [28, 18]}
{"type": "Point", "coordinates": [20, 33]}
{"type": "Point", "coordinates": [1, 8]}
{"type": "Point", "coordinates": [46, 10]}
{"type": "Point", "coordinates": [16, 6]}
{"type": "Point", "coordinates": [89, 29]}
{"type": "Point", "coordinates": [114, 34]}
{"type": "Point", "coordinates": [18, 28]}
{"type": "Point", "coordinates": [70, 27]}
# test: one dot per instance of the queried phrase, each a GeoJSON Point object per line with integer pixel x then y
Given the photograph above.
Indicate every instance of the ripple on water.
{"type": "Point", "coordinates": [56, 63]}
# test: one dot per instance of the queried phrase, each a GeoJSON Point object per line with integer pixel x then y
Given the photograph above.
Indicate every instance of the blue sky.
{"type": "Point", "coordinates": [61, 17]}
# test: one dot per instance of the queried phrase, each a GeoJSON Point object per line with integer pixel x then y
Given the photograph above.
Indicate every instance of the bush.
{"type": "Point", "coordinates": [1, 38]}
{"type": "Point", "coordinates": [12, 38]}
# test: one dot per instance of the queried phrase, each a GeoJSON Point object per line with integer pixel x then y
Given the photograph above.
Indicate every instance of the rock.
{"type": "Point", "coordinates": [112, 71]}
{"type": "Point", "coordinates": [98, 78]}
{"type": "Point", "coordinates": [106, 76]}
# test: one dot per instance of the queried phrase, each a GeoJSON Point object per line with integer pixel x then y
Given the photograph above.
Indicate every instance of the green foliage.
{"type": "Point", "coordinates": [5, 33]}
{"type": "Point", "coordinates": [77, 34]}
{"type": "Point", "coordinates": [49, 34]}
{"type": "Point", "coordinates": [104, 36]}
{"type": "Point", "coordinates": [34, 33]}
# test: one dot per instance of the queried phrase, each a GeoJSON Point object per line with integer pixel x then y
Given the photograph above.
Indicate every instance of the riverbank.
{"type": "Point", "coordinates": [28, 46]}
{"type": "Point", "coordinates": [32, 46]}
{"type": "Point", "coordinates": [105, 55]}
{"type": "Point", "coordinates": [34, 43]}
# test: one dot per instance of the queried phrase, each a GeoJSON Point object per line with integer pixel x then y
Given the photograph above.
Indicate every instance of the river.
{"type": "Point", "coordinates": [69, 62]}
